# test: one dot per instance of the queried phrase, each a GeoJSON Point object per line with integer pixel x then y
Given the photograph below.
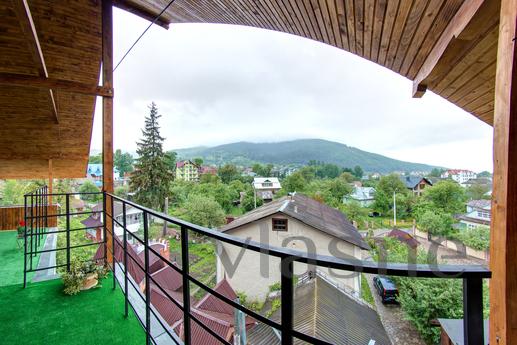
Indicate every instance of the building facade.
{"type": "Point", "coordinates": [459, 175]}
{"type": "Point", "coordinates": [187, 171]}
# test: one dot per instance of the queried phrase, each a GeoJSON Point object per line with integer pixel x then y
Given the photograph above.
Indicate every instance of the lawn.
{"type": "Point", "coordinates": [366, 293]}
{"type": "Point", "coordinates": [42, 314]}
{"type": "Point", "coordinates": [11, 270]}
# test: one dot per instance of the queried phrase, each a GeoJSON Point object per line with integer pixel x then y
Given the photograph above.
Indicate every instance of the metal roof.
{"type": "Point", "coordinates": [308, 211]}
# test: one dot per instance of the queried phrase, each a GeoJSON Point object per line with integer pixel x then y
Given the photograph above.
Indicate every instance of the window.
{"type": "Point", "coordinates": [279, 224]}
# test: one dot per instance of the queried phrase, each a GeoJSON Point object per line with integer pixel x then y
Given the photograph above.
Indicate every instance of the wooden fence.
{"type": "Point", "coordinates": [10, 216]}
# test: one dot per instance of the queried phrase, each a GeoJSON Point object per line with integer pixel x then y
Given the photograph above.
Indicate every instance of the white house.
{"type": "Point", "coordinates": [294, 222]}
{"type": "Point", "coordinates": [266, 187]}
{"type": "Point", "coordinates": [478, 214]}
{"type": "Point", "coordinates": [459, 175]}
{"type": "Point", "coordinates": [134, 218]}
{"type": "Point", "coordinates": [363, 195]}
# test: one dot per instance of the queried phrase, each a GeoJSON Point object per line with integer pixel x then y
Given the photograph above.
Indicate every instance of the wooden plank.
{"type": "Point", "coordinates": [350, 20]}
{"type": "Point", "coordinates": [410, 29]}
{"type": "Point", "coordinates": [503, 231]}
{"type": "Point", "coordinates": [23, 12]}
{"type": "Point", "coordinates": [421, 32]}
{"type": "Point", "coordinates": [359, 26]}
{"type": "Point", "coordinates": [378, 23]}
{"type": "Point", "coordinates": [455, 27]}
{"type": "Point", "coordinates": [54, 84]}
{"type": "Point", "coordinates": [369, 12]}
{"type": "Point", "coordinates": [398, 28]}
{"type": "Point", "coordinates": [387, 29]}
{"type": "Point", "coordinates": [143, 12]}
{"type": "Point", "coordinates": [343, 29]}
{"type": "Point", "coordinates": [331, 17]}
{"type": "Point", "coordinates": [50, 181]}
{"type": "Point", "coordinates": [328, 37]}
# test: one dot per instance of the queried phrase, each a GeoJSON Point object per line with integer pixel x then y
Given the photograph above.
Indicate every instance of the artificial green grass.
{"type": "Point", "coordinates": [42, 314]}
{"type": "Point", "coordinates": [11, 256]}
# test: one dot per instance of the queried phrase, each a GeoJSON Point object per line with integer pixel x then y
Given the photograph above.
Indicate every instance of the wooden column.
{"type": "Point", "coordinates": [107, 112]}
{"type": "Point", "coordinates": [503, 246]}
{"type": "Point", "coordinates": [50, 181]}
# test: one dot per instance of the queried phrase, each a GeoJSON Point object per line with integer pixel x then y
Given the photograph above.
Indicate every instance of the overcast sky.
{"type": "Point", "coordinates": [216, 84]}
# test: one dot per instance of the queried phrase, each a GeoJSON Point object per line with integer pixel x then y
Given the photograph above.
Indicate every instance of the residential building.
{"type": "Point", "coordinates": [94, 222]}
{"type": "Point", "coordinates": [296, 222]}
{"type": "Point", "coordinates": [478, 213]}
{"type": "Point", "coordinates": [459, 175]}
{"type": "Point", "coordinates": [317, 301]}
{"type": "Point", "coordinates": [266, 187]}
{"type": "Point", "coordinates": [451, 332]}
{"type": "Point", "coordinates": [94, 174]}
{"type": "Point", "coordinates": [363, 195]}
{"type": "Point", "coordinates": [416, 184]}
{"type": "Point", "coordinates": [187, 171]}
{"type": "Point", "coordinates": [205, 169]}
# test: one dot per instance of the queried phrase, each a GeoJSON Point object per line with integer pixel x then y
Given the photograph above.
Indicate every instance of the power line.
{"type": "Point", "coordinates": [143, 33]}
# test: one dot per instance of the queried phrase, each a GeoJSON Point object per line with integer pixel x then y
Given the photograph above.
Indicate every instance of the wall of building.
{"type": "Point", "coordinates": [254, 273]}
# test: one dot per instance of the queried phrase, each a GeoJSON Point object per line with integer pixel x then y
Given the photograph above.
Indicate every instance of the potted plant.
{"type": "Point", "coordinates": [83, 275]}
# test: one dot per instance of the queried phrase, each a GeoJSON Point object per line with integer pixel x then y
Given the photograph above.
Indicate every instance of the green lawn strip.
{"type": "Point", "coordinates": [366, 293]}
{"type": "Point", "coordinates": [42, 314]}
{"type": "Point", "coordinates": [11, 270]}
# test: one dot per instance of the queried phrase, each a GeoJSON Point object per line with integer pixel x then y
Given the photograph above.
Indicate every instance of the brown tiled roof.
{"type": "Point", "coordinates": [168, 278]}
{"type": "Point", "coordinates": [132, 259]}
{"type": "Point", "coordinates": [92, 222]}
{"type": "Point", "coordinates": [404, 237]}
{"type": "Point", "coordinates": [308, 211]}
{"type": "Point", "coordinates": [212, 303]}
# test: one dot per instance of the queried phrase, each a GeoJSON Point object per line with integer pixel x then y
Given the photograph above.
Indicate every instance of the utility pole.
{"type": "Point", "coordinates": [394, 210]}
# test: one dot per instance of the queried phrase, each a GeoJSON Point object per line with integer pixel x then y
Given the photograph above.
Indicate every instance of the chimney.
{"type": "Point", "coordinates": [229, 219]}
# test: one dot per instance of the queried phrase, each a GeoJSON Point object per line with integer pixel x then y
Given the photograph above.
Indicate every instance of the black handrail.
{"type": "Point", "coordinates": [472, 275]}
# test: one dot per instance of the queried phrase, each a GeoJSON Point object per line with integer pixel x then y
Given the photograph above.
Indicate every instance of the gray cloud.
{"type": "Point", "coordinates": [217, 83]}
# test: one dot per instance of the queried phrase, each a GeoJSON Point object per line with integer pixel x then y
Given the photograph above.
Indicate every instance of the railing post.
{"type": "Point", "coordinates": [67, 203]}
{"type": "Point", "coordinates": [287, 292]}
{"type": "Point", "coordinates": [473, 323]}
{"type": "Point", "coordinates": [186, 285]}
{"type": "Point", "coordinates": [46, 208]}
{"type": "Point", "coordinates": [113, 238]}
{"type": "Point", "coordinates": [32, 228]}
{"type": "Point", "coordinates": [147, 283]}
{"type": "Point", "coordinates": [37, 223]}
{"type": "Point", "coordinates": [124, 231]}
{"type": "Point", "coordinates": [104, 222]}
{"type": "Point", "coordinates": [25, 242]}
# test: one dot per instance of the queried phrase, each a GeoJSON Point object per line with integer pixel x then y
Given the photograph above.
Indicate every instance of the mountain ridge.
{"type": "Point", "coordinates": [299, 152]}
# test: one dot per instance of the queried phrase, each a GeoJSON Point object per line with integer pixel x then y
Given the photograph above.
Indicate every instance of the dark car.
{"type": "Point", "coordinates": [386, 288]}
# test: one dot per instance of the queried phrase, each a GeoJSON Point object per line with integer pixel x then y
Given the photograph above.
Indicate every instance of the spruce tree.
{"type": "Point", "coordinates": [151, 177]}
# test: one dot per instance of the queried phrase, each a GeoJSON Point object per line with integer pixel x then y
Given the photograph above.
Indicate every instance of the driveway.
{"type": "Point", "coordinates": [398, 329]}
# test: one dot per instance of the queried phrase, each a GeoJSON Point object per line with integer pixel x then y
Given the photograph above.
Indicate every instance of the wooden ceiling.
{"type": "Point", "coordinates": [52, 43]}
{"type": "Point", "coordinates": [50, 53]}
{"type": "Point", "coordinates": [448, 46]}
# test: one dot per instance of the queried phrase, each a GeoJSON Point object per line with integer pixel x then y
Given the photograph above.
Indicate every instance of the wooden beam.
{"type": "Point", "coordinates": [23, 12]}
{"type": "Point", "coordinates": [50, 181]}
{"type": "Point", "coordinates": [54, 84]}
{"type": "Point", "coordinates": [142, 12]}
{"type": "Point", "coordinates": [464, 15]}
{"type": "Point", "coordinates": [107, 116]}
{"type": "Point", "coordinates": [503, 232]}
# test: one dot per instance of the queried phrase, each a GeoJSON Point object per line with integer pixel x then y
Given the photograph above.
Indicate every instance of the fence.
{"type": "Point", "coordinates": [10, 216]}
{"type": "Point", "coordinates": [120, 256]}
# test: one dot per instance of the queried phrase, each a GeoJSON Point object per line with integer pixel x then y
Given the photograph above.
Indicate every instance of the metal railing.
{"type": "Point", "coordinates": [471, 275]}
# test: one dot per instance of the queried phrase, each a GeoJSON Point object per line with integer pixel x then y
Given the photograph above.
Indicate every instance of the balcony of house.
{"type": "Point", "coordinates": [158, 279]}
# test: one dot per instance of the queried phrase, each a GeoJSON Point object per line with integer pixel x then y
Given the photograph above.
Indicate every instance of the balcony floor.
{"type": "Point", "coordinates": [42, 314]}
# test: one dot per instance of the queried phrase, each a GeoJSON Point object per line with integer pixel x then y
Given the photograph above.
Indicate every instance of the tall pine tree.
{"type": "Point", "coordinates": [151, 177]}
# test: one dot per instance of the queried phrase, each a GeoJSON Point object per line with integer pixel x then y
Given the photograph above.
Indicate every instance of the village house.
{"type": "Point", "coordinates": [94, 174]}
{"type": "Point", "coordinates": [295, 222]}
{"type": "Point", "coordinates": [478, 214]}
{"type": "Point", "coordinates": [187, 171]}
{"type": "Point", "coordinates": [365, 196]}
{"type": "Point", "coordinates": [416, 184]}
{"type": "Point", "coordinates": [459, 175]}
{"type": "Point", "coordinates": [205, 169]}
{"type": "Point", "coordinates": [266, 187]}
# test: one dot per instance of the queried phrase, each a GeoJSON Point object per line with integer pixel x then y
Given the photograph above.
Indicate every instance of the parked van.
{"type": "Point", "coordinates": [386, 289]}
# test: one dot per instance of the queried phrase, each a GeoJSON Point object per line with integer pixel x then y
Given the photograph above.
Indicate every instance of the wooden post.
{"type": "Point", "coordinates": [50, 183]}
{"type": "Point", "coordinates": [107, 112]}
{"type": "Point", "coordinates": [503, 234]}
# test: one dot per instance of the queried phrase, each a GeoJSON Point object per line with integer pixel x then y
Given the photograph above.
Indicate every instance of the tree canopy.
{"type": "Point", "coordinates": [151, 178]}
{"type": "Point", "coordinates": [123, 162]}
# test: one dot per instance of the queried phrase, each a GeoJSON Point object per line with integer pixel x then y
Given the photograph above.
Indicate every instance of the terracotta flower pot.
{"type": "Point", "coordinates": [90, 281]}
